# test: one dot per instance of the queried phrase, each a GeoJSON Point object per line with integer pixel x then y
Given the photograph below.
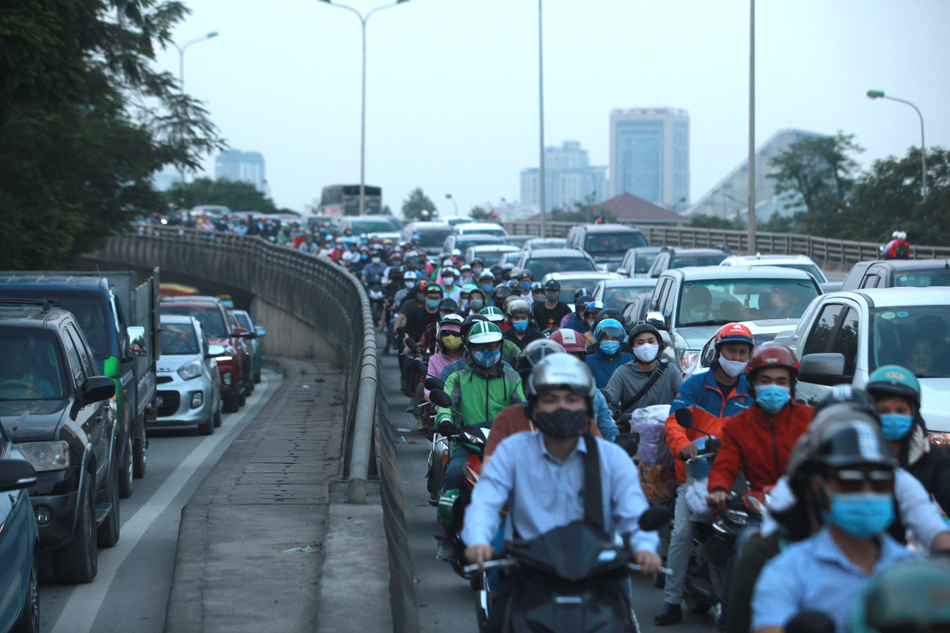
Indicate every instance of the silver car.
{"type": "Point", "coordinates": [189, 386]}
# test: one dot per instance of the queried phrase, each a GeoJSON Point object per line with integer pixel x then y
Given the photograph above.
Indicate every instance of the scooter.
{"type": "Point", "coordinates": [440, 451]}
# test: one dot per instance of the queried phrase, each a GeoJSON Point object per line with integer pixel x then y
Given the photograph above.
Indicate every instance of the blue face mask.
{"type": "Point", "coordinates": [486, 359]}
{"type": "Point", "coordinates": [526, 285]}
{"type": "Point", "coordinates": [894, 426]}
{"type": "Point", "coordinates": [364, 257]}
{"type": "Point", "coordinates": [520, 326]}
{"type": "Point", "coordinates": [488, 287]}
{"type": "Point", "coordinates": [771, 397]}
{"type": "Point", "coordinates": [432, 304]}
{"type": "Point", "coordinates": [861, 514]}
{"type": "Point", "coordinates": [610, 347]}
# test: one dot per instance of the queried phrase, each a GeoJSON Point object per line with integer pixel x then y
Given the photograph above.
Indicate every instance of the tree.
{"type": "Point", "coordinates": [415, 204]}
{"type": "Point", "coordinates": [386, 210]}
{"type": "Point", "coordinates": [236, 195]}
{"type": "Point", "coordinates": [713, 222]}
{"type": "Point", "coordinates": [483, 214]}
{"type": "Point", "coordinates": [582, 211]}
{"type": "Point", "coordinates": [85, 122]}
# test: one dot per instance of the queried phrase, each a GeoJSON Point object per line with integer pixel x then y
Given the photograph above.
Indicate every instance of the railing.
{"type": "Point", "coordinates": [820, 249]}
{"type": "Point", "coordinates": [317, 292]}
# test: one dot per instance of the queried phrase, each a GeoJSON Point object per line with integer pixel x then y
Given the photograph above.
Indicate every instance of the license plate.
{"type": "Point", "coordinates": [159, 401]}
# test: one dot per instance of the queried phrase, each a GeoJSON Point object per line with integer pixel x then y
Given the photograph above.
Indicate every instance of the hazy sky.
{"type": "Point", "coordinates": [452, 87]}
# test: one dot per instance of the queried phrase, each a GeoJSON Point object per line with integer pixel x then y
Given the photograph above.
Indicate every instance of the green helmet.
{"type": "Point", "coordinates": [484, 332]}
{"type": "Point", "coordinates": [495, 315]}
{"type": "Point", "coordinates": [894, 380]}
{"type": "Point", "coordinates": [907, 597]}
{"type": "Point", "coordinates": [446, 504]}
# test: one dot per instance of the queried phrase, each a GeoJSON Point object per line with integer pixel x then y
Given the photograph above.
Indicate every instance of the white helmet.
{"type": "Point", "coordinates": [895, 235]}
{"type": "Point", "coordinates": [902, 235]}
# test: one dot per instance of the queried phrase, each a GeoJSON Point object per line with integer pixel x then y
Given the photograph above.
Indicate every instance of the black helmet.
{"type": "Point", "coordinates": [552, 284]}
{"type": "Point", "coordinates": [514, 285]}
{"type": "Point", "coordinates": [496, 270]}
{"type": "Point", "coordinates": [537, 285]}
{"type": "Point", "coordinates": [469, 321]}
{"type": "Point", "coordinates": [581, 302]}
{"type": "Point", "coordinates": [533, 353]}
{"type": "Point", "coordinates": [396, 270]}
{"type": "Point", "coordinates": [432, 288]}
{"type": "Point", "coordinates": [857, 399]}
{"type": "Point", "coordinates": [499, 295]}
{"type": "Point", "coordinates": [477, 261]}
{"type": "Point", "coordinates": [640, 329]}
{"type": "Point", "coordinates": [449, 304]}
{"type": "Point", "coordinates": [851, 439]}
{"type": "Point", "coordinates": [608, 313]}
{"type": "Point", "coordinates": [580, 292]}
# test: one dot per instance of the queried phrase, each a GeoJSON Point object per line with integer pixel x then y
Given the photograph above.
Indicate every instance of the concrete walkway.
{"type": "Point", "coordinates": [259, 537]}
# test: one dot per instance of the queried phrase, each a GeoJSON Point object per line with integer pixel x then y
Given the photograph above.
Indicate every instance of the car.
{"type": "Point", "coordinates": [542, 243]}
{"type": "Point", "coordinates": [465, 242]}
{"type": "Point", "coordinates": [393, 236]}
{"type": "Point", "coordinates": [19, 542]}
{"type": "Point", "coordinates": [801, 262]}
{"type": "Point", "coordinates": [606, 243]}
{"type": "Point", "coordinates": [554, 260]}
{"type": "Point", "coordinates": [571, 282]}
{"type": "Point", "coordinates": [518, 240]}
{"type": "Point", "coordinates": [490, 254]}
{"type": "Point", "coordinates": [364, 224]}
{"type": "Point", "coordinates": [670, 257]}
{"type": "Point", "coordinates": [221, 329]}
{"type": "Point", "coordinates": [457, 221]}
{"type": "Point", "coordinates": [898, 273]}
{"type": "Point", "coordinates": [60, 413]}
{"type": "Point", "coordinates": [637, 309]}
{"type": "Point", "coordinates": [509, 258]}
{"type": "Point", "coordinates": [844, 336]}
{"type": "Point", "coordinates": [617, 293]}
{"type": "Point", "coordinates": [774, 298]}
{"type": "Point", "coordinates": [244, 320]}
{"type": "Point", "coordinates": [189, 384]}
{"type": "Point", "coordinates": [431, 235]}
{"type": "Point", "coordinates": [636, 263]}
{"type": "Point", "coordinates": [482, 228]}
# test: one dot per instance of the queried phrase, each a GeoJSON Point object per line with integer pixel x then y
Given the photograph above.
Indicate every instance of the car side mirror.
{"type": "Point", "coordinates": [241, 332]}
{"type": "Point", "coordinates": [16, 474]}
{"type": "Point", "coordinates": [261, 333]}
{"type": "Point", "coordinates": [823, 369]}
{"type": "Point", "coordinates": [440, 399]}
{"type": "Point", "coordinates": [214, 351]}
{"type": "Point", "coordinates": [97, 389]}
{"type": "Point", "coordinates": [136, 337]}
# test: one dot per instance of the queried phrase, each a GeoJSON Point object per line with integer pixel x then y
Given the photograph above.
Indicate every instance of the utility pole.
{"type": "Point", "coordinates": [752, 127]}
{"type": "Point", "coordinates": [541, 200]}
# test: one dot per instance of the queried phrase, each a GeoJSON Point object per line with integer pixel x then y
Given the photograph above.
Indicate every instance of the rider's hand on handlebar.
{"type": "Point", "coordinates": [717, 499]}
{"type": "Point", "coordinates": [689, 452]}
{"type": "Point", "coordinates": [479, 554]}
{"type": "Point", "coordinates": [649, 561]}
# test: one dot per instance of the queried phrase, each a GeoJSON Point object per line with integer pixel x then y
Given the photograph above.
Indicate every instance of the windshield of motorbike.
{"type": "Point", "coordinates": [914, 337]}
{"type": "Point", "coordinates": [717, 302]}
{"type": "Point", "coordinates": [923, 278]}
{"type": "Point", "coordinates": [542, 266]}
{"type": "Point", "coordinates": [613, 243]}
{"type": "Point", "coordinates": [32, 368]}
{"type": "Point", "coordinates": [210, 318]}
{"type": "Point", "coordinates": [684, 261]}
{"type": "Point", "coordinates": [435, 237]}
{"type": "Point", "coordinates": [178, 339]}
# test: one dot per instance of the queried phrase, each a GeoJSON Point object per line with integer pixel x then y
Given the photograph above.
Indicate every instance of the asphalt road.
{"type": "Point", "coordinates": [130, 592]}
{"type": "Point", "coordinates": [446, 603]}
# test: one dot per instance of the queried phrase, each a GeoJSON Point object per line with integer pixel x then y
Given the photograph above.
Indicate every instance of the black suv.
{"type": "Point", "coordinates": [59, 412]}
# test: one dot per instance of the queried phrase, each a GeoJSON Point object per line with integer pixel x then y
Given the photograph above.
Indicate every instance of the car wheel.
{"type": "Point", "coordinates": [242, 396]}
{"type": "Point", "coordinates": [77, 562]}
{"type": "Point", "coordinates": [217, 416]}
{"type": "Point", "coordinates": [257, 378]}
{"type": "Point", "coordinates": [108, 533]}
{"type": "Point", "coordinates": [248, 385]}
{"type": "Point", "coordinates": [138, 458]}
{"type": "Point", "coordinates": [207, 427]}
{"type": "Point", "coordinates": [127, 470]}
{"type": "Point", "coordinates": [29, 621]}
{"type": "Point", "coordinates": [231, 404]}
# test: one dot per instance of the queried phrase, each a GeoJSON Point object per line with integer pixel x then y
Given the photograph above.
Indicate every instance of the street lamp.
{"type": "Point", "coordinates": [879, 94]}
{"type": "Point", "coordinates": [677, 203]}
{"type": "Point", "coordinates": [449, 196]}
{"type": "Point", "coordinates": [181, 72]}
{"type": "Point", "coordinates": [541, 114]}
{"type": "Point", "coordinates": [363, 20]}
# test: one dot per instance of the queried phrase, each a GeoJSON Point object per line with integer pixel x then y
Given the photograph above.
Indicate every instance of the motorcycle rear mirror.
{"type": "Point", "coordinates": [684, 417]}
{"type": "Point", "coordinates": [400, 330]}
{"type": "Point", "coordinates": [434, 383]}
{"type": "Point", "coordinates": [411, 344]}
{"type": "Point", "coordinates": [448, 429]}
{"type": "Point", "coordinates": [810, 622]}
{"type": "Point", "coordinates": [418, 366]}
{"type": "Point", "coordinates": [440, 398]}
{"type": "Point", "coordinates": [630, 442]}
{"type": "Point", "coordinates": [654, 518]}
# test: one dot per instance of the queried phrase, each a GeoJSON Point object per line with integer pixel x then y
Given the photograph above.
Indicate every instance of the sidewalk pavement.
{"type": "Point", "coordinates": [265, 544]}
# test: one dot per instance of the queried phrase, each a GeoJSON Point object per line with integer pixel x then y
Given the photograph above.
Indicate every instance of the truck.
{"type": "Point", "coordinates": [120, 317]}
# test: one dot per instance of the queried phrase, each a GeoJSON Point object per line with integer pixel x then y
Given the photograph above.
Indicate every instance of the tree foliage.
{"type": "Point", "coordinates": [483, 214]}
{"type": "Point", "coordinates": [85, 121]}
{"type": "Point", "coordinates": [236, 195]}
{"type": "Point", "coordinates": [582, 211]}
{"type": "Point", "coordinates": [713, 222]}
{"type": "Point", "coordinates": [415, 204]}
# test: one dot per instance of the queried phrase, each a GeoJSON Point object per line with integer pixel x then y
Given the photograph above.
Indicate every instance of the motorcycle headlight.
{"type": "Point", "coordinates": [46, 456]}
{"type": "Point", "coordinates": [737, 516]}
{"type": "Point", "coordinates": [190, 371]}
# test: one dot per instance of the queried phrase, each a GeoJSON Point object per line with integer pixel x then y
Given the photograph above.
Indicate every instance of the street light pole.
{"type": "Point", "coordinates": [879, 94]}
{"type": "Point", "coordinates": [752, 126]}
{"type": "Point", "coordinates": [181, 72]}
{"type": "Point", "coordinates": [449, 196]}
{"type": "Point", "coordinates": [363, 20]}
{"type": "Point", "coordinates": [541, 200]}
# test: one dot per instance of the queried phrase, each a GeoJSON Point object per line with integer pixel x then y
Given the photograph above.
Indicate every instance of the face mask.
{"type": "Point", "coordinates": [520, 326]}
{"type": "Point", "coordinates": [432, 303]}
{"type": "Point", "coordinates": [486, 359]}
{"type": "Point", "coordinates": [895, 426]}
{"type": "Point", "coordinates": [646, 353]}
{"type": "Point", "coordinates": [376, 260]}
{"type": "Point", "coordinates": [551, 296]}
{"type": "Point", "coordinates": [526, 285]}
{"type": "Point", "coordinates": [364, 257]}
{"type": "Point", "coordinates": [410, 284]}
{"type": "Point", "coordinates": [464, 304]}
{"type": "Point", "coordinates": [476, 272]}
{"type": "Point", "coordinates": [538, 298]}
{"type": "Point", "coordinates": [732, 367]}
{"type": "Point", "coordinates": [610, 347]}
{"type": "Point", "coordinates": [488, 287]}
{"type": "Point", "coordinates": [861, 514]}
{"type": "Point", "coordinates": [421, 298]}
{"type": "Point", "coordinates": [448, 281]}
{"type": "Point", "coordinates": [476, 304]}
{"type": "Point", "coordinates": [771, 397]}
{"type": "Point", "coordinates": [560, 424]}
{"type": "Point", "coordinates": [451, 341]}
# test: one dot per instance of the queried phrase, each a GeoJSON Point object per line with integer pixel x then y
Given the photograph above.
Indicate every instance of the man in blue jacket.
{"type": "Point", "coordinates": [608, 337]}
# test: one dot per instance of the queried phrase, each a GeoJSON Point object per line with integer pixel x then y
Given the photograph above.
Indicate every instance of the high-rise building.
{"type": "Point", "coordinates": [568, 177]}
{"type": "Point", "coordinates": [233, 164]}
{"type": "Point", "coordinates": [649, 155]}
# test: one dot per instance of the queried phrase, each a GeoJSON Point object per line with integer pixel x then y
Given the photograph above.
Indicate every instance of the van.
{"type": "Point", "coordinates": [606, 243]}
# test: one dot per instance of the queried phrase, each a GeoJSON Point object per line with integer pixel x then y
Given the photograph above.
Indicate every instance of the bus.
{"type": "Point", "coordinates": [345, 200]}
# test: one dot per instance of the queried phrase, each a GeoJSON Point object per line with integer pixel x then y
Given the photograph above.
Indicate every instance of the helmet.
{"type": "Point", "coordinates": [906, 597]}
{"type": "Point", "coordinates": [469, 288]}
{"type": "Point", "coordinates": [537, 285]}
{"type": "Point", "coordinates": [733, 332]}
{"type": "Point", "coordinates": [456, 252]}
{"type": "Point", "coordinates": [608, 313]}
{"type": "Point", "coordinates": [559, 371]}
{"type": "Point", "coordinates": [657, 320]}
{"type": "Point", "coordinates": [497, 270]}
{"type": "Point", "coordinates": [580, 303]}
{"type": "Point", "coordinates": [533, 353]}
{"type": "Point", "coordinates": [571, 341]}
{"type": "Point", "coordinates": [486, 275]}
{"type": "Point", "coordinates": [525, 273]}
{"type": "Point", "coordinates": [519, 306]}
{"type": "Point", "coordinates": [508, 267]}
{"type": "Point", "coordinates": [581, 292]}
{"type": "Point", "coordinates": [850, 440]}
{"type": "Point", "coordinates": [410, 275]}
{"type": "Point", "coordinates": [857, 399]}
{"type": "Point", "coordinates": [894, 380]}
{"type": "Point", "coordinates": [609, 327]}
{"type": "Point", "coordinates": [593, 307]}
{"type": "Point", "coordinates": [396, 270]}
{"type": "Point", "coordinates": [514, 285]}
{"type": "Point", "coordinates": [449, 304]}
{"type": "Point", "coordinates": [477, 260]}
{"type": "Point", "coordinates": [552, 284]}
{"type": "Point", "coordinates": [895, 235]}
{"type": "Point", "coordinates": [471, 320]}
{"type": "Point", "coordinates": [483, 332]}
{"type": "Point", "coordinates": [501, 293]}
{"type": "Point", "coordinates": [646, 327]}
{"type": "Point", "coordinates": [770, 355]}
{"type": "Point", "coordinates": [452, 320]}
{"type": "Point", "coordinates": [493, 314]}
{"type": "Point", "coordinates": [466, 267]}
{"type": "Point", "coordinates": [432, 288]}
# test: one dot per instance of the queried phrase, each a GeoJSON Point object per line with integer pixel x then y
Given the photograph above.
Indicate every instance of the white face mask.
{"type": "Point", "coordinates": [646, 353]}
{"type": "Point", "coordinates": [732, 367]}
{"type": "Point", "coordinates": [410, 284]}
{"type": "Point", "coordinates": [376, 260]}
{"type": "Point", "coordinates": [448, 280]}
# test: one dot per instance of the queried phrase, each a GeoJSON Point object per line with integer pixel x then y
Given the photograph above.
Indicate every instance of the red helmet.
{"type": "Point", "coordinates": [571, 341]}
{"type": "Point", "coordinates": [770, 355]}
{"type": "Point", "coordinates": [734, 333]}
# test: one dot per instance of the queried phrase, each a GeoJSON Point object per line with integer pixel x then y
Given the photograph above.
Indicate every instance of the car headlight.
{"type": "Point", "coordinates": [189, 371]}
{"type": "Point", "coordinates": [940, 439]}
{"type": "Point", "coordinates": [687, 359]}
{"type": "Point", "coordinates": [46, 456]}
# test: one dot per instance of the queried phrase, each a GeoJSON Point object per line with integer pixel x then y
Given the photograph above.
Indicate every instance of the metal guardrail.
{"type": "Point", "coordinates": [820, 249]}
{"type": "Point", "coordinates": [317, 292]}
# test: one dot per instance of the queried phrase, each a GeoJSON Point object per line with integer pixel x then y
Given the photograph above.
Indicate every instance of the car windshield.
{"type": "Point", "coordinates": [682, 261]}
{"type": "Point", "coordinates": [570, 286]}
{"type": "Point", "coordinates": [923, 278]}
{"type": "Point", "coordinates": [914, 337]}
{"type": "Point", "coordinates": [32, 368]}
{"type": "Point", "coordinates": [179, 339]}
{"type": "Point", "coordinates": [542, 266]}
{"type": "Point", "coordinates": [541, 245]}
{"type": "Point", "coordinates": [490, 258]}
{"type": "Point", "coordinates": [619, 242]}
{"type": "Point", "coordinates": [370, 226]}
{"type": "Point", "coordinates": [484, 230]}
{"type": "Point", "coordinates": [89, 308]}
{"type": "Point", "coordinates": [433, 238]}
{"type": "Point", "coordinates": [725, 301]}
{"type": "Point", "coordinates": [617, 297]}
{"type": "Point", "coordinates": [210, 318]}
{"type": "Point", "coordinates": [468, 241]}
{"type": "Point", "coordinates": [644, 261]}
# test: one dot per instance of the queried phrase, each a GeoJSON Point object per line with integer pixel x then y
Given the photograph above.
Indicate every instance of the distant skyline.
{"type": "Point", "coordinates": [452, 85]}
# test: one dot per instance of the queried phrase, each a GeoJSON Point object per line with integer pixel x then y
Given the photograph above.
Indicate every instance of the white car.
{"type": "Point", "coordinates": [798, 262]}
{"type": "Point", "coordinates": [844, 336]}
{"type": "Point", "coordinates": [479, 228]}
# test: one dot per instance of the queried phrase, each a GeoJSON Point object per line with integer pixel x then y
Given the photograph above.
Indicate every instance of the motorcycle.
{"type": "Point", "coordinates": [374, 289]}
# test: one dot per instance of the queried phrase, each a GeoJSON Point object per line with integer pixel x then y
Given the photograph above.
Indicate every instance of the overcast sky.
{"type": "Point", "coordinates": [452, 87]}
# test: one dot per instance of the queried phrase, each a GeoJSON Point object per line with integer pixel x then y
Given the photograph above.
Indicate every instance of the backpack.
{"type": "Point", "coordinates": [902, 250]}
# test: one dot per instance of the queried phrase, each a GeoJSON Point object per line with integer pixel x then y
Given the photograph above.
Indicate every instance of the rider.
{"type": "Point", "coordinates": [629, 380]}
{"type": "Point", "coordinates": [373, 272]}
{"type": "Point", "coordinates": [574, 344]}
{"type": "Point", "coordinates": [496, 316]}
{"type": "Point", "coordinates": [581, 323]}
{"type": "Point", "coordinates": [609, 336]}
{"type": "Point", "coordinates": [523, 330]}
{"type": "Point", "coordinates": [711, 396]}
{"type": "Point", "coordinates": [541, 476]}
{"type": "Point", "coordinates": [549, 314]}
{"type": "Point", "coordinates": [449, 277]}
{"type": "Point", "coordinates": [570, 316]}
{"type": "Point", "coordinates": [450, 346]}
